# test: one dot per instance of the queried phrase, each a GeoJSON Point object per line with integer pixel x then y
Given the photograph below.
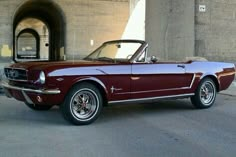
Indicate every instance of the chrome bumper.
{"type": "Point", "coordinates": [41, 91]}
{"type": "Point", "coordinates": [6, 86]}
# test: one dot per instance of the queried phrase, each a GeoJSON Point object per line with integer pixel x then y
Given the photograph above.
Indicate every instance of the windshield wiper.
{"type": "Point", "coordinates": [105, 59]}
{"type": "Point", "coordinates": [88, 59]}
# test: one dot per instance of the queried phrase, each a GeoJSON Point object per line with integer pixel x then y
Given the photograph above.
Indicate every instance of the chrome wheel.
{"type": "Point", "coordinates": [84, 104]}
{"type": "Point", "coordinates": [207, 93]}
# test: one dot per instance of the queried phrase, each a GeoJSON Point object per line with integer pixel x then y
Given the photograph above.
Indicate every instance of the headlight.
{"type": "Point", "coordinates": [42, 77]}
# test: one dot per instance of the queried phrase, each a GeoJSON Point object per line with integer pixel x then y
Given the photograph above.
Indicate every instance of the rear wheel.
{"type": "Point", "coordinates": [83, 104]}
{"type": "Point", "coordinates": [39, 107]}
{"type": "Point", "coordinates": [205, 94]}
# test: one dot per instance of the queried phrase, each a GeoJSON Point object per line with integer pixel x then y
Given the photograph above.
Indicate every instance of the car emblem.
{"type": "Point", "coordinates": [13, 73]}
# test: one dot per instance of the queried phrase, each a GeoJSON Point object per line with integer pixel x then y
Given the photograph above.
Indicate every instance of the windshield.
{"type": "Point", "coordinates": [115, 51]}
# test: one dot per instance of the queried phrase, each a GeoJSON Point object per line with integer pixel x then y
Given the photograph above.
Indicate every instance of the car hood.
{"type": "Point", "coordinates": [50, 66]}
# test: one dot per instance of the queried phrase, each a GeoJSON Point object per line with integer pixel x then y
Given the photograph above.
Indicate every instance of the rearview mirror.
{"type": "Point", "coordinates": [153, 59]}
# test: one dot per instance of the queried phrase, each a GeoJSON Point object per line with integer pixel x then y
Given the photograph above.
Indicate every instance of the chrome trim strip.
{"type": "Point", "coordinates": [28, 100]}
{"type": "Point", "coordinates": [194, 76]}
{"type": "Point", "coordinates": [42, 91]}
{"type": "Point", "coordinates": [16, 68]}
{"type": "Point", "coordinates": [143, 46]}
{"type": "Point", "coordinates": [152, 98]}
{"type": "Point", "coordinates": [150, 91]}
{"type": "Point", "coordinates": [17, 80]}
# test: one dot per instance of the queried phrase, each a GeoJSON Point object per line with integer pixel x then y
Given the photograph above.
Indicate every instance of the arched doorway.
{"type": "Point", "coordinates": [48, 13]}
{"type": "Point", "coordinates": [28, 44]}
{"type": "Point", "coordinates": [31, 36]}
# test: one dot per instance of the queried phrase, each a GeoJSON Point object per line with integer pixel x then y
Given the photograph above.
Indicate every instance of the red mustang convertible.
{"type": "Point", "coordinates": [118, 71]}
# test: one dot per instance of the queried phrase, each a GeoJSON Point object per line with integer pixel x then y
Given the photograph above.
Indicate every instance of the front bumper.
{"type": "Point", "coordinates": [24, 91]}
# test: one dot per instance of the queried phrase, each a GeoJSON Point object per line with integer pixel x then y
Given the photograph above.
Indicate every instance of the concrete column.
{"type": "Point", "coordinates": [132, 4]}
{"type": "Point", "coordinates": [170, 28]}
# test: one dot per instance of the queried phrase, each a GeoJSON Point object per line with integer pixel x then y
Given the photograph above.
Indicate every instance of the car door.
{"type": "Point", "coordinates": [159, 80]}
{"type": "Point", "coordinates": [119, 81]}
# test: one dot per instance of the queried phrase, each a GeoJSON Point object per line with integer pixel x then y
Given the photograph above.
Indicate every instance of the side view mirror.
{"type": "Point", "coordinates": [154, 59]}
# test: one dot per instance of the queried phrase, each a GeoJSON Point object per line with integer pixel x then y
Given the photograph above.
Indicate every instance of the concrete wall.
{"type": "Point", "coordinates": [93, 20]}
{"type": "Point", "coordinates": [170, 28]}
{"type": "Point", "coordinates": [216, 30]}
{"type": "Point", "coordinates": [7, 11]}
{"type": "Point", "coordinates": [132, 5]}
{"type": "Point", "coordinates": [85, 20]}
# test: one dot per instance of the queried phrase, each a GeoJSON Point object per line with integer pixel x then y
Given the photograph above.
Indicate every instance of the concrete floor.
{"type": "Point", "coordinates": [165, 128]}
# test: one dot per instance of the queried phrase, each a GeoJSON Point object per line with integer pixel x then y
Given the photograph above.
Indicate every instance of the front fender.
{"type": "Point", "coordinates": [92, 79]}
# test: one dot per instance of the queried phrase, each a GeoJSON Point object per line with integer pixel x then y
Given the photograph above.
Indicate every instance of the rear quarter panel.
{"type": "Point", "coordinates": [224, 73]}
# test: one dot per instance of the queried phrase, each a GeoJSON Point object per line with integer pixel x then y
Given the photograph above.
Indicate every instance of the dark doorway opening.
{"type": "Point", "coordinates": [52, 16]}
{"type": "Point", "coordinates": [28, 44]}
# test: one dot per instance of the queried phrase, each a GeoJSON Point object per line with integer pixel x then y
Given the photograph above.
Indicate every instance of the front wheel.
{"type": "Point", "coordinates": [205, 94]}
{"type": "Point", "coordinates": [82, 105]}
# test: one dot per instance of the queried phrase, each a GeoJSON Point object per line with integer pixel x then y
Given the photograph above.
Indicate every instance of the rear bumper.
{"type": "Point", "coordinates": [27, 92]}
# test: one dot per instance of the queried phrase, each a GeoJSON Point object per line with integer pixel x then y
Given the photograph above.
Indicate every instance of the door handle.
{"type": "Point", "coordinates": [181, 66]}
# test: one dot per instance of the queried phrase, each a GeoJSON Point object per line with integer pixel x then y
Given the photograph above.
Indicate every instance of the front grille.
{"type": "Point", "coordinates": [23, 85]}
{"type": "Point", "coordinates": [16, 74]}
